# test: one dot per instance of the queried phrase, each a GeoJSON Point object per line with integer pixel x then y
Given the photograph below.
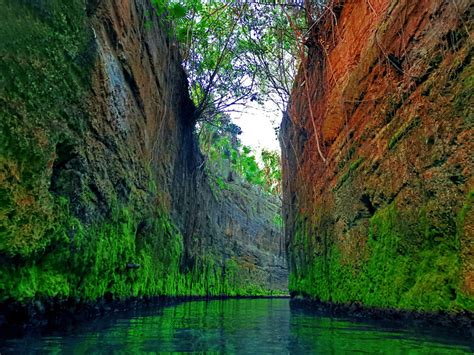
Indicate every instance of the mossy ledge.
{"type": "Point", "coordinates": [406, 264]}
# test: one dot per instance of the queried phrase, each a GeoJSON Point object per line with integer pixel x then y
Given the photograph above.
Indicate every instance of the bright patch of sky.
{"type": "Point", "coordinates": [258, 126]}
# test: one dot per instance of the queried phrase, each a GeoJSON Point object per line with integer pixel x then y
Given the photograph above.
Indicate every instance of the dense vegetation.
{"type": "Point", "coordinates": [406, 263]}
{"type": "Point", "coordinates": [234, 54]}
{"type": "Point", "coordinates": [228, 159]}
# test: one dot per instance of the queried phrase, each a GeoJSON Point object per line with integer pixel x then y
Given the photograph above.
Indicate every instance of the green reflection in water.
{"type": "Point", "coordinates": [249, 326]}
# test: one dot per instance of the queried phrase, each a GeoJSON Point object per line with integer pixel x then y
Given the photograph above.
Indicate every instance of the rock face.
{"type": "Point", "coordinates": [103, 189]}
{"type": "Point", "coordinates": [384, 218]}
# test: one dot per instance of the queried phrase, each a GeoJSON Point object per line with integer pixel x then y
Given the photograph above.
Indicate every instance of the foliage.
{"type": "Point", "coordinates": [234, 52]}
{"type": "Point", "coordinates": [272, 170]}
{"type": "Point", "coordinates": [225, 153]}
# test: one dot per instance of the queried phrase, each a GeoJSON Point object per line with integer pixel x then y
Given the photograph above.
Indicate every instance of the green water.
{"type": "Point", "coordinates": [247, 326]}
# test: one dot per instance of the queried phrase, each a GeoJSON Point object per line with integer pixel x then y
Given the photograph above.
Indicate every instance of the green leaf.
{"type": "Point", "coordinates": [177, 11]}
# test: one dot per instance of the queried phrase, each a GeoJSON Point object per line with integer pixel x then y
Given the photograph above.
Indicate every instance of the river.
{"type": "Point", "coordinates": [244, 326]}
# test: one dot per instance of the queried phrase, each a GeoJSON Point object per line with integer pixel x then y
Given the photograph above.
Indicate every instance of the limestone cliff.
{"type": "Point", "coordinates": [383, 216]}
{"type": "Point", "coordinates": [103, 189]}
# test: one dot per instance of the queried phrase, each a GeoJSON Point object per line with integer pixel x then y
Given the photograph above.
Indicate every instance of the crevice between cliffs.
{"type": "Point", "coordinates": [107, 201]}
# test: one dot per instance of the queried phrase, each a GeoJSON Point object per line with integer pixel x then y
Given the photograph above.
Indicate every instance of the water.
{"type": "Point", "coordinates": [248, 326]}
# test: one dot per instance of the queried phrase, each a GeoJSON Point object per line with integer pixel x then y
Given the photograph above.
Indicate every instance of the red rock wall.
{"type": "Point", "coordinates": [390, 87]}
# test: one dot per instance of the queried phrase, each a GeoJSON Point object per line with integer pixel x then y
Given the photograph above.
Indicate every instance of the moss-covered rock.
{"type": "Point", "coordinates": [393, 230]}
{"type": "Point", "coordinates": [98, 161]}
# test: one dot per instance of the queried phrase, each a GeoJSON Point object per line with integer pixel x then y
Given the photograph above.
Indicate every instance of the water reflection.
{"type": "Point", "coordinates": [250, 326]}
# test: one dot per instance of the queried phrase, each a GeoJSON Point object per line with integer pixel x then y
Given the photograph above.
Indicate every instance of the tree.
{"type": "Point", "coordinates": [234, 53]}
{"type": "Point", "coordinates": [272, 170]}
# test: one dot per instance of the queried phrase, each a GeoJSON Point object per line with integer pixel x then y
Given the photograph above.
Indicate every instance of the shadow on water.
{"type": "Point", "coordinates": [249, 326]}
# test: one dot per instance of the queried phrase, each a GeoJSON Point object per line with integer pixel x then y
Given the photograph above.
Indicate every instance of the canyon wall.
{"type": "Point", "coordinates": [378, 155]}
{"type": "Point", "coordinates": [103, 190]}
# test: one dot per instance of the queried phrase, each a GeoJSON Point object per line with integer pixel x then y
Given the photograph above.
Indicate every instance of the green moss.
{"type": "Point", "coordinates": [409, 264]}
{"type": "Point", "coordinates": [403, 131]}
{"type": "Point", "coordinates": [466, 301]}
{"type": "Point", "coordinates": [93, 261]}
{"type": "Point", "coordinates": [45, 59]}
{"type": "Point", "coordinates": [350, 172]}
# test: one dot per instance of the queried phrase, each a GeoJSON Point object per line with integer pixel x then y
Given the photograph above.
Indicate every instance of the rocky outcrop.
{"type": "Point", "coordinates": [383, 216]}
{"type": "Point", "coordinates": [103, 189]}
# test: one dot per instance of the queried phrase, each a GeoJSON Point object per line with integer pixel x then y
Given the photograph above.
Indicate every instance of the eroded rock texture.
{"type": "Point", "coordinates": [103, 189]}
{"type": "Point", "coordinates": [386, 220]}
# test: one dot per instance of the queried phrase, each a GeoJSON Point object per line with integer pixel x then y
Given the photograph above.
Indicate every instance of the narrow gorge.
{"type": "Point", "coordinates": [107, 195]}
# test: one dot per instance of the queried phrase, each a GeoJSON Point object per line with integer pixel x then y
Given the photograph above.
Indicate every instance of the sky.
{"type": "Point", "coordinates": [258, 126]}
